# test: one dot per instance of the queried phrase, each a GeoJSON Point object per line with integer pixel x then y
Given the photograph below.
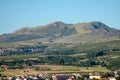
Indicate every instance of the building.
{"type": "Point", "coordinates": [94, 76]}
{"type": "Point", "coordinates": [104, 79]}
{"type": "Point", "coordinates": [117, 72]}
{"type": "Point", "coordinates": [4, 66]}
{"type": "Point", "coordinates": [111, 78]}
{"type": "Point", "coordinates": [62, 77]}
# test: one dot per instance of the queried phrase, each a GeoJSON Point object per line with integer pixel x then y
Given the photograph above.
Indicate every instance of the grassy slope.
{"type": "Point", "coordinates": [98, 46]}
{"type": "Point", "coordinates": [21, 57]}
{"type": "Point", "coordinates": [6, 44]}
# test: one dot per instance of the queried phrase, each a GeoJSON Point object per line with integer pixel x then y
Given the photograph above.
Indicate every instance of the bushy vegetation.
{"type": "Point", "coordinates": [97, 54]}
{"type": "Point", "coordinates": [114, 64]}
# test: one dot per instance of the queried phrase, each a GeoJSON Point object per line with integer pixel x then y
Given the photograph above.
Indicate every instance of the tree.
{"type": "Point", "coordinates": [0, 75]}
{"type": "Point", "coordinates": [61, 62]}
{"type": "Point", "coordinates": [118, 78]}
{"type": "Point", "coordinates": [37, 68]}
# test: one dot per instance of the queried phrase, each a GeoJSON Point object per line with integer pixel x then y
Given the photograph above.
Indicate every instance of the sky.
{"type": "Point", "coordinates": [16, 14]}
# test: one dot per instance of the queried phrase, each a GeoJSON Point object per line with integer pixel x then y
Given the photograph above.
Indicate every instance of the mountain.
{"type": "Point", "coordinates": [61, 32]}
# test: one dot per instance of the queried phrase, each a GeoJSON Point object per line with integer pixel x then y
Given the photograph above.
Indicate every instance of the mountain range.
{"type": "Point", "coordinates": [60, 32]}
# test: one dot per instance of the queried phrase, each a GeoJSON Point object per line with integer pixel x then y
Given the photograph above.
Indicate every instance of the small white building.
{"type": "Point", "coordinates": [94, 75]}
{"type": "Point", "coordinates": [111, 78]}
{"type": "Point", "coordinates": [116, 73]}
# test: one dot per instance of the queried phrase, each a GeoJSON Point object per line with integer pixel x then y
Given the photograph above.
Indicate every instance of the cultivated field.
{"type": "Point", "coordinates": [54, 69]}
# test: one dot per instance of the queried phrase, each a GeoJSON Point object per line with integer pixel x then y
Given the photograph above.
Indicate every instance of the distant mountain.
{"type": "Point", "coordinates": [63, 33]}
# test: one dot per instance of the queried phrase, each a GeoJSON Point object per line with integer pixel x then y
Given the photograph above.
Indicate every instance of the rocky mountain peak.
{"type": "Point", "coordinates": [97, 25]}
{"type": "Point", "coordinates": [57, 23]}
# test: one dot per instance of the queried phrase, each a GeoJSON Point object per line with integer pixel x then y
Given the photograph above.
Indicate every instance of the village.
{"type": "Point", "coordinates": [21, 50]}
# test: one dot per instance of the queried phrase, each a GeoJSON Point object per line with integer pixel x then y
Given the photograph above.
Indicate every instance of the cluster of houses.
{"type": "Point", "coordinates": [74, 76]}
{"type": "Point", "coordinates": [91, 76]}
{"type": "Point", "coordinates": [98, 77]}
{"type": "Point", "coordinates": [26, 77]}
{"type": "Point", "coordinates": [9, 51]}
{"type": "Point", "coordinates": [3, 50]}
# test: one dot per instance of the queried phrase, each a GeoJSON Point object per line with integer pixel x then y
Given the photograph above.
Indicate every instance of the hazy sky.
{"type": "Point", "coordinates": [15, 14]}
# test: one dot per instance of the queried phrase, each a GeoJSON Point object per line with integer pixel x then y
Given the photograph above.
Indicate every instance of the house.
{"type": "Point", "coordinates": [1, 52]}
{"type": "Point", "coordinates": [111, 78]}
{"type": "Point", "coordinates": [94, 76]}
{"type": "Point", "coordinates": [24, 65]}
{"type": "Point", "coordinates": [4, 66]}
{"type": "Point", "coordinates": [117, 72]}
{"type": "Point", "coordinates": [104, 79]}
{"type": "Point", "coordinates": [62, 77]}
{"type": "Point", "coordinates": [77, 76]}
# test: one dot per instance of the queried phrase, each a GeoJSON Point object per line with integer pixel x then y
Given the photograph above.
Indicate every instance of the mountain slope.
{"type": "Point", "coordinates": [90, 32]}
{"type": "Point", "coordinates": [52, 31]}
{"type": "Point", "coordinates": [62, 33]}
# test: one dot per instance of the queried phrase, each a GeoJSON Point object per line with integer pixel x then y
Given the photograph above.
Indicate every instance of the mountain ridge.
{"type": "Point", "coordinates": [62, 32]}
